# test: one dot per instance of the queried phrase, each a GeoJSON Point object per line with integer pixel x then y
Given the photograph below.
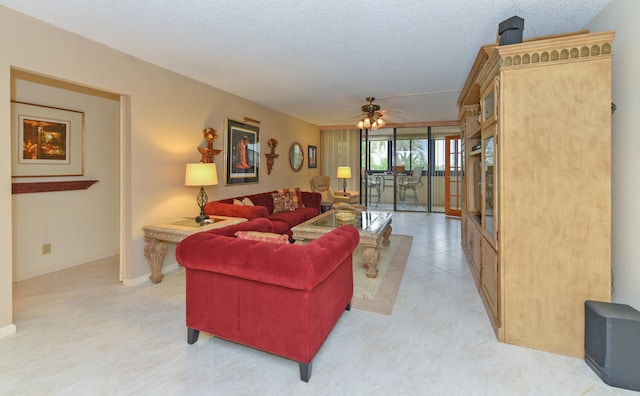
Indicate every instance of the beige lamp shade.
{"type": "Point", "coordinates": [344, 172]}
{"type": "Point", "coordinates": [201, 174]}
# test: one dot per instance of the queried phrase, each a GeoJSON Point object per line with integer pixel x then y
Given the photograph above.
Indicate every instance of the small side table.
{"type": "Point", "coordinates": [156, 236]}
{"type": "Point", "coordinates": [348, 197]}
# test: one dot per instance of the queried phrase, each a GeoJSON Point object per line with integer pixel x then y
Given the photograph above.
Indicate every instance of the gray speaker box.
{"type": "Point", "coordinates": [510, 30]}
{"type": "Point", "coordinates": [612, 343]}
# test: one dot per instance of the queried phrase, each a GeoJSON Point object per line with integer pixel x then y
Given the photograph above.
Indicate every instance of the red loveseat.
{"type": "Point", "coordinates": [263, 208]}
{"type": "Point", "coordinates": [279, 298]}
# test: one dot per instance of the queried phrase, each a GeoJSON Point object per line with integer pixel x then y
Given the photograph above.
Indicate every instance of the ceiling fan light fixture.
{"type": "Point", "coordinates": [372, 116]}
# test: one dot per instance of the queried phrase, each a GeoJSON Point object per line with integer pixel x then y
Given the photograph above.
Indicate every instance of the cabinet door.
{"type": "Point", "coordinates": [489, 104]}
{"type": "Point", "coordinates": [489, 182]}
{"type": "Point", "coordinates": [490, 285]}
{"type": "Point", "coordinates": [463, 232]}
{"type": "Point", "coordinates": [474, 246]}
{"type": "Point", "coordinates": [463, 177]}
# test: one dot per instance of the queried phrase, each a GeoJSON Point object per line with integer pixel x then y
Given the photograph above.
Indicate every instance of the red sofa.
{"type": "Point", "coordinates": [282, 221]}
{"type": "Point", "coordinates": [279, 298]}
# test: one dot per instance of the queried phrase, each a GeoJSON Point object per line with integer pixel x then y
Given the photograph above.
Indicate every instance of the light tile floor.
{"type": "Point", "coordinates": [80, 332]}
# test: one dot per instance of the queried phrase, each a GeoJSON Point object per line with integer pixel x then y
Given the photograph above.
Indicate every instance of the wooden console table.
{"type": "Point", "coordinates": [156, 236]}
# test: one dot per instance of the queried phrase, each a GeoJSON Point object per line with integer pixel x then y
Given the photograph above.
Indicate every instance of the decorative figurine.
{"type": "Point", "coordinates": [206, 146]}
{"type": "Point", "coordinates": [273, 143]}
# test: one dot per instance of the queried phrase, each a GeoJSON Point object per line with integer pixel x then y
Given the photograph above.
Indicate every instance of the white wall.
{"type": "Point", "coordinates": [162, 126]}
{"type": "Point", "coordinates": [622, 16]}
{"type": "Point", "coordinates": [83, 225]}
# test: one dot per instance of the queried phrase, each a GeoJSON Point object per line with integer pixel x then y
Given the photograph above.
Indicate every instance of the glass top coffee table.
{"type": "Point", "coordinates": [374, 229]}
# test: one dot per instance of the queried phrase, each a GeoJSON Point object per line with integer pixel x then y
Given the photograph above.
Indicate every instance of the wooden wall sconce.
{"type": "Point", "coordinates": [206, 146]}
{"type": "Point", "coordinates": [273, 143]}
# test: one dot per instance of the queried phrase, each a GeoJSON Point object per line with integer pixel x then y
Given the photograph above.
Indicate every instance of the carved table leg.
{"type": "Point", "coordinates": [386, 234]}
{"type": "Point", "coordinates": [370, 256]}
{"type": "Point", "coordinates": [155, 251]}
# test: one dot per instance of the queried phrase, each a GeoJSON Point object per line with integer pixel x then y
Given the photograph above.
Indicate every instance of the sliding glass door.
{"type": "Point", "coordinates": [395, 163]}
{"type": "Point", "coordinates": [412, 164]}
{"type": "Point", "coordinates": [378, 179]}
{"type": "Point", "coordinates": [404, 168]}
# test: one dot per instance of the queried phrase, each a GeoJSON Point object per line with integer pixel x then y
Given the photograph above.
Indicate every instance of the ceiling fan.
{"type": "Point", "coordinates": [373, 113]}
{"type": "Point", "coordinates": [372, 118]}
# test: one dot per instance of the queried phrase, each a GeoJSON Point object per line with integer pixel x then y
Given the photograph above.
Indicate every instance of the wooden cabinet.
{"type": "Point", "coordinates": [536, 216]}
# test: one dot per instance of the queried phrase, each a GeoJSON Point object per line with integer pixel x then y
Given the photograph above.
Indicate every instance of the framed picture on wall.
{"type": "Point", "coordinates": [46, 141]}
{"type": "Point", "coordinates": [313, 157]}
{"type": "Point", "coordinates": [242, 153]}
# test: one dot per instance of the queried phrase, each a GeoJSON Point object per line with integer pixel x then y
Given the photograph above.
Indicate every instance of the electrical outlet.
{"type": "Point", "coordinates": [46, 248]}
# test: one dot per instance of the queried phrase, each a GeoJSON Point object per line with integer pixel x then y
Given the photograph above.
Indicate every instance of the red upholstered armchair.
{"type": "Point", "coordinates": [279, 298]}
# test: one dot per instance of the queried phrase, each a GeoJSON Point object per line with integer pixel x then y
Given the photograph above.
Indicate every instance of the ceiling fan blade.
{"type": "Point", "coordinates": [396, 118]}
{"type": "Point", "coordinates": [371, 108]}
{"type": "Point", "coordinates": [350, 118]}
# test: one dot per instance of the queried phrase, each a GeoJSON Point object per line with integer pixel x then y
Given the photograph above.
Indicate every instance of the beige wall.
{"type": "Point", "coordinates": [622, 16]}
{"type": "Point", "coordinates": [162, 126]}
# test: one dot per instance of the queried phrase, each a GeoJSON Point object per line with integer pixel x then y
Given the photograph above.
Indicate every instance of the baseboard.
{"type": "Point", "coordinates": [21, 276]}
{"type": "Point", "coordinates": [145, 278]}
{"type": "Point", "coordinates": [7, 330]}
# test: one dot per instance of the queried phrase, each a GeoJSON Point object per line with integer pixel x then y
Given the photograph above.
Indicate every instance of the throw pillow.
{"type": "Point", "coordinates": [262, 236]}
{"type": "Point", "coordinates": [238, 202]}
{"type": "Point", "coordinates": [295, 194]}
{"type": "Point", "coordinates": [247, 202]}
{"type": "Point", "coordinates": [282, 203]}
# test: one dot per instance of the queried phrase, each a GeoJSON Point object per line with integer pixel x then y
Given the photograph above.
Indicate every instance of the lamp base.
{"type": "Point", "coordinates": [201, 218]}
{"type": "Point", "coordinates": [202, 201]}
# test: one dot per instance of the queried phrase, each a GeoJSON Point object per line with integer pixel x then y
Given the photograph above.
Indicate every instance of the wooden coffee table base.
{"type": "Point", "coordinates": [377, 232]}
{"type": "Point", "coordinates": [371, 254]}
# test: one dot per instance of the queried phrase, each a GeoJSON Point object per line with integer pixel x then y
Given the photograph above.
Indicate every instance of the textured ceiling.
{"type": "Point", "coordinates": [317, 59]}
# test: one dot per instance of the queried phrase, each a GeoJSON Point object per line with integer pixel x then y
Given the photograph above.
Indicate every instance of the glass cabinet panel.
{"type": "Point", "coordinates": [489, 170]}
{"type": "Point", "coordinates": [489, 105]}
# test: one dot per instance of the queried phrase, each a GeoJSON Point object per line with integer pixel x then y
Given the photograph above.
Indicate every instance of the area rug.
{"type": "Point", "coordinates": [379, 294]}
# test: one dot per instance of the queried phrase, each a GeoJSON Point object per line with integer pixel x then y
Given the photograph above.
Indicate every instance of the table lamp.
{"type": "Point", "coordinates": [344, 172]}
{"type": "Point", "coordinates": [201, 174]}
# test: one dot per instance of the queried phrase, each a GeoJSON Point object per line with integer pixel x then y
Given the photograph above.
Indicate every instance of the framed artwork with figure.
{"type": "Point", "coordinates": [241, 152]}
